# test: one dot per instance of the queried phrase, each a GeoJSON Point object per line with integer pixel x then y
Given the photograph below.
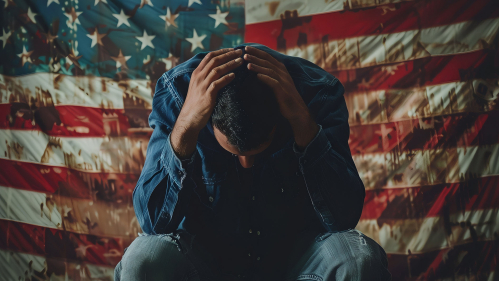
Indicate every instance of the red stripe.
{"type": "Point", "coordinates": [476, 259]}
{"type": "Point", "coordinates": [431, 201]}
{"type": "Point", "coordinates": [37, 240]}
{"type": "Point", "coordinates": [457, 130]}
{"type": "Point", "coordinates": [66, 120]}
{"type": "Point", "coordinates": [421, 72]}
{"type": "Point", "coordinates": [67, 182]}
{"type": "Point", "coordinates": [384, 19]}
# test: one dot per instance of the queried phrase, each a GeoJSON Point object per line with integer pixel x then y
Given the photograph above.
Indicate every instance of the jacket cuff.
{"type": "Point", "coordinates": [177, 169]}
{"type": "Point", "coordinates": [314, 150]}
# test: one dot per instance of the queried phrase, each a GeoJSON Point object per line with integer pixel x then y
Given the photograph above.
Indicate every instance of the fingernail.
{"type": "Point", "coordinates": [238, 60]}
{"type": "Point", "coordinates": [239, 51]}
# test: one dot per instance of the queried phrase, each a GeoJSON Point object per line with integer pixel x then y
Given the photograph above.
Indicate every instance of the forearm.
{"type": "Point", "coordinates": [304, 130]}
{"type": "Point", "coordinates": [337, 193]}
{"type": "Point", "coordinates": [184, 138]}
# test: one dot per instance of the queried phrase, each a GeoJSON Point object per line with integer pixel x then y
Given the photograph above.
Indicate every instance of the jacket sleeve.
{"type": "Point", "coordinates": [161, 195]}
{"type": "Point", "coordinates": [332, 180]}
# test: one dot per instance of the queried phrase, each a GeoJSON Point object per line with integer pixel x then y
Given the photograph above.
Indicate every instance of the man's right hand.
{"type": "Point", "coordinates": [206, 80]}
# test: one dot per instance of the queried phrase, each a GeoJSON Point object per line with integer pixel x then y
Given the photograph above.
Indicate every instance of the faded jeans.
{"type": "Point", "coordinates": [344, 255]}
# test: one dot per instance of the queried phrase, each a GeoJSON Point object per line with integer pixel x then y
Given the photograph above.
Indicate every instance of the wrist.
{"type": "Point", "coordinates": [304, 129]}
{"type": "Point", "coordinates": [183, 140]}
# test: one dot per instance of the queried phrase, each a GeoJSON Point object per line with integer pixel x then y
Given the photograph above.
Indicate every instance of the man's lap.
{"type": "Point", "coordinates": [346, 255]}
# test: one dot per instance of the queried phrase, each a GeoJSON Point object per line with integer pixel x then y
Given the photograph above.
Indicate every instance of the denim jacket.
{"type": "Point", "coordinates": [324, 169]}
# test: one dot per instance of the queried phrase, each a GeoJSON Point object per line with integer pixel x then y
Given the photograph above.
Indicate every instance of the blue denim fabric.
{"type": "Point", "coordinates": [162, 196]}
{"type": "Point", "coordinates": [344, 255]}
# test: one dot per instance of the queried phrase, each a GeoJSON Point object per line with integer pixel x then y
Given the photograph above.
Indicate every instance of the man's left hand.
{"type": "Point", "coordinates": [291, 105]}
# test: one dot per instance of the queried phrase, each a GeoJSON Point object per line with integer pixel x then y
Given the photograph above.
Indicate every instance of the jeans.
{"type": "Point", "coordinates": [345, 255]}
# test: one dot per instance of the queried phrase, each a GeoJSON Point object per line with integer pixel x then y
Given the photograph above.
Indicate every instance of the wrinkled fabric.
{"type": "Point", "coordinates": [344, 255]}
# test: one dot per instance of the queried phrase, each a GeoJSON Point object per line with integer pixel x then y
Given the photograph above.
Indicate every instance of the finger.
{"type": "Point", "coordinates": [262, 62]}
{"type": "Point", "coordinates": [221, 70]}
{"type": "Point", "coordinates": [216, 85]}
{"type": "Point", "coordinates": [221, 59]}
{"type": "Point", "coordinates": [211, 55]}
{"type": "Point", "coordinates": [267, 71]}
{"type": "Point", "coordinates": [261, 54]}
{"type": "Point", "coordinates": [271, 82]}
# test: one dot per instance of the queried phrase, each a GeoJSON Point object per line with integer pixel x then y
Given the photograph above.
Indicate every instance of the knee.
{"type": "Point", "coordinates": [368, 260]}
{"type": "Point", "coordinates": [154, 256]}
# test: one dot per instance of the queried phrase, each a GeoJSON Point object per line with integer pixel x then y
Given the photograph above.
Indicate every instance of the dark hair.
{"type": "Point", "coordinates": [246, 110]}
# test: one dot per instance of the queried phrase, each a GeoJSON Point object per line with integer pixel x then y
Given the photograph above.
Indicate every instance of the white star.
{"type": "Point", "coordinates": [194, 1]}
{"type": "Point", "coordinates": [96, 38]}
{"type": "Point", "coordinates": [8, 3]}
{"type": "Point", "coordinates": [169, 18]}
{"type": "Point", "coordinates": [170, 61]}
{"type": "Point", "coordinates": [52, 1]}
{"type": "Point", "coordinates": [146, 40]}
{"type": "Point", "coordinates": [219, 17]}
{"type": "Point", "coordinates": [25, 56]}
{"type": "Point", "coordinates": [121, 60]}
{"type": "Point", "coordinates": [73, 15]}
{"type": "Point", "coordinates": [97, 2]}
{"type": "Point", "coordinates": [5, 37]}
{"type": "Point", "coordinates": [122, 18]}
{"type": "Point", "coordinates": [31, 15]}
{"type": "Point", "coordinates": [143, 2]}
{"type": "Point", "coordinates": [195, 40]}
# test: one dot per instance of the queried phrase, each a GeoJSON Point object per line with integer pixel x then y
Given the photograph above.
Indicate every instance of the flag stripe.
{"type": "Point", "coordinates": [431, 201]}
{"type": "Point", "coordinates": [385, 19]}
{"type": "Point", "coordinates": [393, 169]}
{"type": "Point", "coordinates": [14, 266]}
{"type": "Point", "coordinates": [86, 217]}
{"type": "Point", "coordinates": [109, 187]}
{"type": "Point", "coordinates": [379, 107]}
{"type": "Point", "coordinates": [427, 167]}
{"type": "Point", "coordinates": [421, 72]}
{"type": "Point", "coordinates": [433, 233]}
{"type": "Point", "coordinates": [432, 265]}
{"type": "Point", "coordinates": [66, 213]}
{"type": "Point", "coordinates": [43, 89]}
{"type": "Point", "coordinates": [38, 240]}
{"type": "Point", "coordinates": [259, 11]}
{"type": "Point", "coordinates": [97, 154]}
{"type": "Point", "coordinates": [66, 120]}
{"type": "Point", "coordinates": [457, 130]}
{"type": "Point", "coordinates": [364, 51]}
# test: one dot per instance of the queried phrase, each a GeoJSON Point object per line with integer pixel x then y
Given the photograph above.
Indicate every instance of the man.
{"type": "Point", "coordinates": [248, 176]}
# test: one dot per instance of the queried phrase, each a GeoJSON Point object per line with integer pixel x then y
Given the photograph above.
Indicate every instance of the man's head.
{"type": "Point", "coordinates": [245, 114]}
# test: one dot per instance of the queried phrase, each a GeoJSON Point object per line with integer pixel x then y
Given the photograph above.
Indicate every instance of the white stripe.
{"type": "Point", "coordinates": [367, 51]}
{"type": "Point", "coordinates": [257, 11]}
{"type": "Point", "coordinates": [427, 167]}
{"type": "Point", "coordinates": [428, 234]}
{"type": "Point", "coordinates": [52, 211]}
{"type": "Point", "coordinates": [409, 104]}
{"type": "Point", "coordinates": [89, 154]}
{"type": "Point", "coordinates": [14, 265]}
{"type": "Point", "coordinates": [94, 154]}
{"type": "Point", "coordinates": [92, 91]}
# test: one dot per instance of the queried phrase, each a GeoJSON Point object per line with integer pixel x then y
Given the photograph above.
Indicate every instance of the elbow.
{"type": "Point", "coordinates": [351, 204]}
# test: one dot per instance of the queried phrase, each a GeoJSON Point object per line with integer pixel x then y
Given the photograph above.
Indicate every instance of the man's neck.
{"type": "Point", "coordinates": [247, 161]}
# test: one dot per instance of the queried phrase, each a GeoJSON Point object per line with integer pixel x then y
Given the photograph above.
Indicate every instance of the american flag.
{"type": "Point", "coordinates": [421, 80]}
{"type": "Point", "coordinates": [76, 85]}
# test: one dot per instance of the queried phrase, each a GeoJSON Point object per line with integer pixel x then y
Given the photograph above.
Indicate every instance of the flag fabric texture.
{"type": "Point", "coordinates": [421, 84]}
